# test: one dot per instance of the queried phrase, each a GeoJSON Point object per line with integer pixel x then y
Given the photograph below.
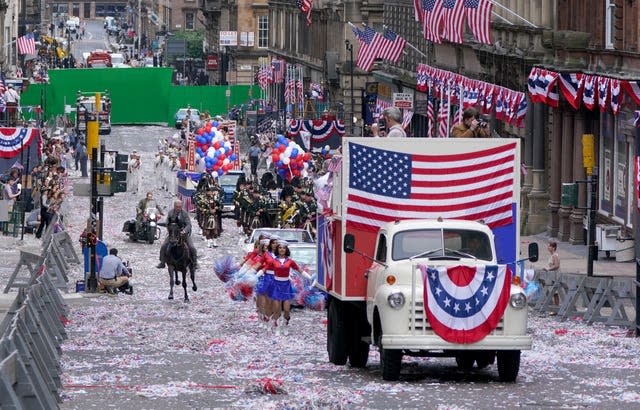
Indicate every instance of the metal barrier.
{"type": "Point", "coordinates": [30, 339]}
{"type": "Point", "coordinates": [593, 298]}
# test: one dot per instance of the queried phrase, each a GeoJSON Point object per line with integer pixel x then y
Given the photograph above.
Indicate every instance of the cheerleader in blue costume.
{"type": "Point", "coordinates": [281, 291]}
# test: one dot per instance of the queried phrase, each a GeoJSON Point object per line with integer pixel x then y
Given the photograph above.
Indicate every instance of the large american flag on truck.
{"type": "Point", "coordinates": [387, 185]}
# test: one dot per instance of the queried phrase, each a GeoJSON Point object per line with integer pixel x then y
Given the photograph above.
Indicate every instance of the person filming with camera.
{"type": "Point", "coordinates": [471, 126]}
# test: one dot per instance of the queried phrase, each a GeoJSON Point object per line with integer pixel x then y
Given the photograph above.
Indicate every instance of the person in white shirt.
{"type": "Point", "coordinates": [134, 172]}
{"type": "Point", "coordinates": [12, 99]}
{"type": "Point", "coordinates": [393, 118]}
{"type": "Point", "coordinates": [109, 162]}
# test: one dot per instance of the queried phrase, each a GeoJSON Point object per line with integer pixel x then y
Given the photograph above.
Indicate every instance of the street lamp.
{"type": "Point", "coordinates": [349, 46]}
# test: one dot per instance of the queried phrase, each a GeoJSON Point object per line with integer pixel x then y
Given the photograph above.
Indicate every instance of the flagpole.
{"type": "Point", "coordinates": [513, 13]}
{"type": "Point", "coordinates": [410, 45]}
{"type": "Point", "coordinates": [448, 109]}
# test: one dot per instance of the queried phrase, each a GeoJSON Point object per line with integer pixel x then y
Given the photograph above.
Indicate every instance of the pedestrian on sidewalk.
{"type": "Point", "coordinates": [254, 158]}
{"type": "Point", "coordinates": [553, 265]}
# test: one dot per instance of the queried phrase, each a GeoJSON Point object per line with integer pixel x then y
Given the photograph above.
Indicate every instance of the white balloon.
{"type": "Point", "coordinates": [327, 147]}
{"type": "Point", "coordinates": [197, 156]}
{"type": "Point", "coordinates": [306, 165]}
{"type": "Point", "coordinates": [210, 154]}
{"type": "Point", "coordinates": [221, 150]}
{"type": "Point", "coordinates": [304, 173]}
{"type": "Point", "coordinates": [286, 160]}
{"type": "Point", "coordinates": [227, 144]}
{"type": "Point", "coordinates": [282, 156]}
{"type": "Point", "coordinates": [210, 149]}
{"type": "Point", "coordinates": [226, 161]}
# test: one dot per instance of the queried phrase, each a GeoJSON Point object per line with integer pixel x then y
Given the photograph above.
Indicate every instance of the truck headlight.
{"type": "Point", "coordinates": [518, 301]}
{"type": "Point", "coordinates": [396, 300]}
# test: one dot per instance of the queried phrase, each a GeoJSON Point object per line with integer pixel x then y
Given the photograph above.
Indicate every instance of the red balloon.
{"type": "Point", "coordinates": [221, 157]}
{"type": "Point", "coordinates": [275, 157]}
{"type": "Point", "coordinates": [216, 145]}
{"type": "Point", "coordinates": [200, 131]}
{"type": "Point", "coordinates": [215, 167]}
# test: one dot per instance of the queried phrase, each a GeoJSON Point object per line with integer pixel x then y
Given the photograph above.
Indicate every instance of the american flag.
{"type": "Point", "coordinates": [418, 13]}
{"type": "Point", "coordinates": [289, 92]}
{"type": "Point", "coordinates": [387, 185]}
{"type": "Point", "coordinates": [370, 44]}
{"type": "Point", "coordinates": [325, 250]}
{"type": "Point", "coordinates": [443, 117]}
{"type": "Point", "coordinates": [407, 115]}
{"type": "Point", "coordinates": [27, 44]}
{"type": "Point", "coordinates": [300, 93]}
{"type": "Point", "coordinates": [453, 20]}
{"type": "Point", "coordinates": [636, 118]}
{"type": "Point", "coordinates": [478, 13]}
{"type": "Point", "coordinates": [3, 83]}
{"type": "Point", "coordinates": [278, 69]}
{"type": "Point", "coordinates": [432, 20]}
{"type": "Point", "coordinates": [305, 6]}
{"type": "Point", "coordinates": [264, 77]}
{"type": "Point", "coordinates": [431, 117]}
{"type": "Point", "coordinates": [393, 47]}
{"type": "Point", "coordinates": [317, 92]}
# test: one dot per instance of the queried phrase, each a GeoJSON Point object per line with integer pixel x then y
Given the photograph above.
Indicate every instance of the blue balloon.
{"type": "Point", "coordinates": [294, 152]}
{"type": "Point", "coordinates": [215, 124]}
{"type": "Point", "coordinates": [233, 157]}
{"type": "Point", "coordinates": [199, 151]}
{"type": "Point", "coordinates": [216, 154]}
{"type": "Point", "coordinates": [278, 145]}
{"type": "Point", "coordinates": [279, 163]}
{"type": "Point", "coordinates": [220, 171]}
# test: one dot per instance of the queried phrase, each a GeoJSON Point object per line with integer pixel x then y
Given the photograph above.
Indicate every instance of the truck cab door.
{"type": "Point", "coordinates": [376, 272]}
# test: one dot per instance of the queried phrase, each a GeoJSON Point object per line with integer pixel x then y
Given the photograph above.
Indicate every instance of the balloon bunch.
{"type": "Point", "coordinates": [217, 154]}
{"type": "Point", "coordinates": [290, 159]}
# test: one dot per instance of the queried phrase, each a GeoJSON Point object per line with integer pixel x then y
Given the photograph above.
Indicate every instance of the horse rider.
{"type": "Point", "coordinates": [180, 217]}
{"type": "Point", "coordinates": [144, 204]}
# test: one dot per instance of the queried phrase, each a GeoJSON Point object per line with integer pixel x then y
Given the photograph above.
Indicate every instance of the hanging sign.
{"type": "Point", "coordinates": [403, 100]}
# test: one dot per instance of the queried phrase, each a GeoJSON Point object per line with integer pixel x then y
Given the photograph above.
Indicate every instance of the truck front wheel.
{"type": "Point", "coordinates": [508, 365]}
{"type": "Point", "coordinates": [336, 334]}
{"type": "Point", "coordinates": [390, 362]}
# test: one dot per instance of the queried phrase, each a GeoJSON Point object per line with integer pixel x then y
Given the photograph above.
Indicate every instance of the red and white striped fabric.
{"type": "Point", "coordinates": [431, 117]}
{"type": "Point", "coordinates": [432, 20]}
{"type": "Point", "coordinates": [407, 115]}
{"type": "Point", "coordinates": [603, 93]}
{"type": "Point", "coordinates": [453, 15]}
{"type": "Point", "coordinates": [443, 117]}
{"type": "Point", "coordinates": [478, 13]}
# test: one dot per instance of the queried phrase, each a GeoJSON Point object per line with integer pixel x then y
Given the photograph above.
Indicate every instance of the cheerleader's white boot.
{"type": "Point", "coordinates": [285, 327]}
{"type": "Point", "coordinates": [214, 241]}
{"type": "Point", "coordinates": [276, 328]}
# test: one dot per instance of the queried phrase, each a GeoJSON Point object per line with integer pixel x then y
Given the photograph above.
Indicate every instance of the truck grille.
{"type": "Point", "coordinates": [422, 325]}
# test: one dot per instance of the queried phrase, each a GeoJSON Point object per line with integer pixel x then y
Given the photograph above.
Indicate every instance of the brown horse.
{"type": "Point", "coordinates": [179, 259]}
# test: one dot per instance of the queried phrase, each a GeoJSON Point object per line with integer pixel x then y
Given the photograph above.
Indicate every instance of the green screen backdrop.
{"type": "Point", "coordinates": [138, 95]}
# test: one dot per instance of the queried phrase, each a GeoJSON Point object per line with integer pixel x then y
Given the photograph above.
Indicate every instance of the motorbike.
{"type": "Point", "coordinates": [148, 231]}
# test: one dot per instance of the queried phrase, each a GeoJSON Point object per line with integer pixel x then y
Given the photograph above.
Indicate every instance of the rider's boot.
{"type": "Point", "coordinates": [161, 265]}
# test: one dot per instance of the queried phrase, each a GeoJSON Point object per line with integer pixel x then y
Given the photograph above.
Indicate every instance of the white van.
{"type": "Point", "coordinates": [73, 24]}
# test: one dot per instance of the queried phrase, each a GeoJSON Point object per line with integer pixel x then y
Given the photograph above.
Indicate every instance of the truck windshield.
{"type": "Point", "coordinates": [449, 243]}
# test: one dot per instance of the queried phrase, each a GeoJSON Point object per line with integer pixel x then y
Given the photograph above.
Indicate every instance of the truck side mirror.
{"type": "Point", "coordinates": [349, 242]}
{"type": "Point", "coordinates": [533, 252]}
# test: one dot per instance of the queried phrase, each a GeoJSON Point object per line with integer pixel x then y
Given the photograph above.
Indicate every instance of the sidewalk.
{"type": "Point", "coordinates": [573, 258]}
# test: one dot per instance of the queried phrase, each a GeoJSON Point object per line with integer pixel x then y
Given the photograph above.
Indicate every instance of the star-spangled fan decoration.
{"type": "Point", "coordinates": [465, 303]}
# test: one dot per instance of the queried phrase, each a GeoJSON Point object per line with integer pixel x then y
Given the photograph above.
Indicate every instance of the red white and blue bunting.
{"type": "Point", "coordinates": [14, 140]}
{"type": "Point", "coordinates": [320, 130]}
{"type": "Point", "coordinates": [579, 88]}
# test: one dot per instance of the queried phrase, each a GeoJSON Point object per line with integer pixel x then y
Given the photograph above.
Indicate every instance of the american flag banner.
{"type": "Point", "coordinates": [278, 69]}
{"type": "Point", "coordinates": [603, 93]}
{"type": "Point", "coordinates": [26, 44]}
{"type": "Point", "coordinates": [432, 21]}
{"type": "Point", "coordinates": [465, 303]}
{"type": "Point", "coordinates": [325, 250]}
{"type": "Point", "coordinates": [478, 13]}
{"type": "Point", "coordinates": [370, 44]}
{"type": "Point", "coordinates": [317, 92]}
{"type": "Point", "coordinates": [418, 12]}
{"type": "Point", "coordinates": [431, 117]}
{"type": "Point", "coordinates": [453, 20]}
{"type": "Point", "coordinates": [589, 91]}
{"type": "Point", "coordinates": [305, 7]}
{"type": "Point", "coordinates": [473, 185]}
{"type": "Point", "coordinates": [632, 87]}
{"type": "Point", "coordinates": [615, 89]}
{"type": "Point", "coordinates": [264, 77]}
{"type": "Point", "coordinates": [421, 78]}
{"type": "Point", "coordinates": [393, 47]}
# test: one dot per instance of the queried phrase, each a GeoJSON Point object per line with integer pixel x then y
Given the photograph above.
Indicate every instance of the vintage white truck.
{"type": "Point", "coordinates": [416, 246]}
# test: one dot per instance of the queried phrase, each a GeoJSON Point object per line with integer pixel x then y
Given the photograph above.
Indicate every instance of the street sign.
{"type": "Point", "coordinates": [227, 93]}
{"type": "Point", "coordinates": [403, 100]}
{"type": "Point", "coordinates": [212, 62]}
{"type": "Point", "coordinates": [176, 47]}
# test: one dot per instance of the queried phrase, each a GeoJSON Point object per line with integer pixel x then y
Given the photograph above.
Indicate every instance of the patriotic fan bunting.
{"type": "Point", "coordinates": [464, 303]}
{"type": "Point", "coordinates": [615, 95]}
{"type": "Point", "coordinates": [589, 92]}
{"type": "Point", "coordinates": [571, 86]}
{"type": "Point", "coordinates": [14, 140]}
{"type": "Point", "coordinates": [603, 93]}
{"type": "Point", "coordinates": [633, 89]}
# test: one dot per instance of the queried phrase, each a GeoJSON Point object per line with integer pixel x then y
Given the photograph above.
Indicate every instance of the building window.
{"type": "Point", "coordinates": [263, 31]}
{"type": "Point", "coordinates": [609, 26]}
{"type": "Point", "coordinates": [189, 20]}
